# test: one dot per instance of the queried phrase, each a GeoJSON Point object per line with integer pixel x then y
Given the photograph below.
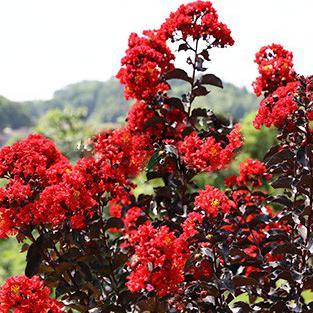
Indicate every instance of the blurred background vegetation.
{"type": "Point", "coordinates": [80, 110]}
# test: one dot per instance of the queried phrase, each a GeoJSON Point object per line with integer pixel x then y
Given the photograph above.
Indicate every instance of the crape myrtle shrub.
{"type": "Point", "coordinates": [101, 249]}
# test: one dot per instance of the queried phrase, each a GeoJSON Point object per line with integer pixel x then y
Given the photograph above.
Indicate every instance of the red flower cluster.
{"type": "Point", "coordinates": [29, 159]}
{"type": "Point", "coordinates": [275, 66]}
{"type": "Point", "coordinates": [43, 188]}
{"type": "Point", "coordinates": [277, 107]}
{"type": "Point", "coordinates": [159, 260]}
{"type": "Point", "coordinates": [137, 120]}
{"type": "Point", "coordinates": [27, 295]}
{"type": "Point", "coordinates": [121, 152]}
{"type": "Point", "coordinates": [193, 220]}
{"type": "Point", "coordinates": [30, 166]}
{"type": "Point", "coordinates": [146, 60]}
{"type": "Point", "coordinates": [70, 199]}
{"type": "Point", "coordinates": [148, 57]}
{"type": "Point", "coordinates": [250, 172]}
{"type": "Point", "coordinates": [213, 201]}
{"type": "Point", "coordinates": [252, 175]}
{"type": "Point", "coordinates": [207, 154]}
{"type": "Point", "coordinates": [197, 20]}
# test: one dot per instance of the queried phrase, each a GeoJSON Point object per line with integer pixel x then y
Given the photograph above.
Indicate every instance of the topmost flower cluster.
{"type": "Point", "coordinates": [275, 65]}
{"type": "Point", "coordinates": [148, 57]}
{"type": "Point", "coordinates": [197, 20]}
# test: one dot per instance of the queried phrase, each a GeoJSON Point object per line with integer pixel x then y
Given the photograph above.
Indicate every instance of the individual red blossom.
{"type": "Point", "coordinates": [20, 294]}
{"type": "Point", "coordinates": [131, 217]}
{"type": "Point", "coordinates": [213, 201]}
{"type": "Point", "coordinates": [230, 181]}
{"type": "Point", "coordinates": [275, 65]}
{"type": "Point", "coordinates": [197, 20]}
{"type": "Point", "coordinates": [252, 172]}
{"type": "Point", "coordinates": [193, 220]}
{"type": "Point", "coordinates": [158, 261]}
{"type": "Point", "coordinates": [207, 154]}
{"type": "Point", "coordinates": [78, 222]}
{"type": "Point", "coordinates": [116, 204]}
{"type": "Point", "coordinates": [276, 108]}
{"type": "Point", "coordinates": [147, 59]}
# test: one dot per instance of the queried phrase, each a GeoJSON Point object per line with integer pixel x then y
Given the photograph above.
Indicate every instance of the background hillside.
{"type": "Point", "coordinates": [105, 103]}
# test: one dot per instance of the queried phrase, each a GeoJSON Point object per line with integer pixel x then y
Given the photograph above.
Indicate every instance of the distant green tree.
{"type": "Point", "coordinates": [14, 114]}
{"type": "Point", "coordinates": [256, 142]}
{"type": "Point", "coordinates": [11, 261]}
{"type": "Point", "coordinates": [67, 128]}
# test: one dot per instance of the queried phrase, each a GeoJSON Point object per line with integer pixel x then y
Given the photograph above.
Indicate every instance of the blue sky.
{"type": "Point", "coordinates": [47, 44]}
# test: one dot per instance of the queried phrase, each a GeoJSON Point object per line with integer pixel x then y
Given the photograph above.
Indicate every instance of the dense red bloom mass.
{"type": "Point", "coordinates": [197, 20]}
{"type": "Point", "coordinates": [121, 152]}
{"type": "Point", "coordinates": [159, 260]}
{"type": "Point", "coordinates": [27, 295]}
{"type": "Point", "coordinates": [275, 109]}
{"type": "Point", "coordinates": [30, 165]}
{"type": "Point", "coordinates": [146, 60]}
{"type": "Point", "coordinates": [275, 66]}
{"type": "Point", "coordinates": [207, 154]}
{"type": "Point", "coordinates": [69, 199]}
{"type": "Point", "coordinates": [29, 159]}
{"type": "Point", "coordinates": [138, 117]}
{"type": "Point", "coordinates": [212, 201]}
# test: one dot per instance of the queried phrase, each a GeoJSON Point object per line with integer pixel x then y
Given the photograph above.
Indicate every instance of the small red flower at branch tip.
{"type": "Point", "coordinates": [213, 201]}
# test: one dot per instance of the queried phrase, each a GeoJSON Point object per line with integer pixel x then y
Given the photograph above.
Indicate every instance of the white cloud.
{"type": "Point", "coordinates": [47, 44]}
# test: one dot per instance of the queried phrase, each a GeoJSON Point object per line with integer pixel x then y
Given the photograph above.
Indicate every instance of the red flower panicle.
{"type": "Point", "coordinates": [30, 159]}
{"type": "Point", "coordinates": [68, 200]}
{"type": "Point", "coordinates": [212, 201]}
{"type": "Point", "coordinates": [197, 20]}
{"type": "Point", "coordinates": [191, 224]}
{"type": "Point", "coordinates": [275, 65]}
{"type": "Point", "coordinates": [30, 165]}
{"type": "Point", "coordinates": [147, 59]}
{"type": "Point", "coordinates": [207, 154]}
{"type": "Point", "coordinates": [137, 120]}
{"type": "Point", "coordinates": [252, 172]}
{"type": "Point", "coordinates": [20, 294]}
{"type": "Point", "coordinates": [159, 260]}
{"type": "Point", "coordinates": [121, 152]}
{"type": "Point", "coordinates": [277, 107]}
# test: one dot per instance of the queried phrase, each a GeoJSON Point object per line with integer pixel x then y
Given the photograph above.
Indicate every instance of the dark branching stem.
{"type": "Point", "coordinates": [194, 65]}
